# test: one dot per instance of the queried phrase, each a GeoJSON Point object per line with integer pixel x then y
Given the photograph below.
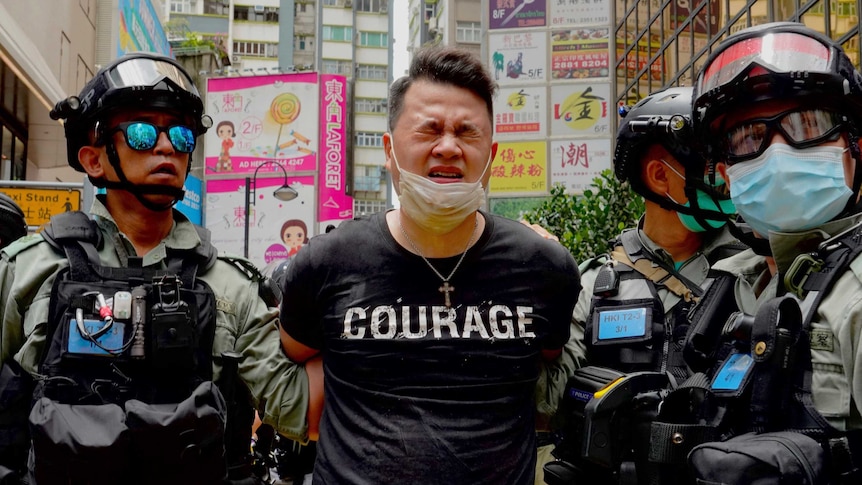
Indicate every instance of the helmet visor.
{"type": "Point", "coordinates": [148, 72]}
{"type": "Point", "coordinates": [780, 52]}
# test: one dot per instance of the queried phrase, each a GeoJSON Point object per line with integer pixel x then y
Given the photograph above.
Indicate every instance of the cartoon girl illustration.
{"type": "Point", "coordinates": [226, 131]}
{"type": "Point", "coordinates": [294, 233]}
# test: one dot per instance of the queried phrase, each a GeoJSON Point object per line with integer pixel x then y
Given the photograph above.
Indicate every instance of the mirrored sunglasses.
{"type": "Point", "coordinates": [801, 128]}
{"type": "Point", "coordinates": [142, 136]}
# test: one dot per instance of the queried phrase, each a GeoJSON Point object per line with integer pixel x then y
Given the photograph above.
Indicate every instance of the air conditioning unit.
{"type": "Point", "coordinates": [348, 3]}
{"type": "Point", "coordinates": [235, 59]}
{"type": "Point", "coordinates": [432, 23]}
{"type": "Point", "coordinates": [258, 9]}
{"type": "Point", "coordinates": [384, 9]}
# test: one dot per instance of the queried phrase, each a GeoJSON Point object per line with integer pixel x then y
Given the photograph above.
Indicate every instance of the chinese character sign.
{"type": "Point", "coordinates": [513, 14]}
{"type": "Point", "coordinates": [518, 58]}
{"type": "Point", "coordinates": [520, 168]}
{"type": "Point", "coordinates": [580, 12]}
{"type": "Point", "coordinates": [334, 203]}
{"type": "Point", "coordinates": [576, 163]}
{"type": "Point", "coordinates": [520, 112]}
{"type": "Point", "coordinates": [580, 53]}
{"type": "Point", "coordinates": [581, 109]}
{"type": "Point", "coordinates": [273, 224]}
{"type": "Point", "coordinates": [260, 118]}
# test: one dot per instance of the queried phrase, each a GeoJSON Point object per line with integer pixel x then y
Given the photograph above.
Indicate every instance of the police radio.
{"type": "Point", "coordinates": [607, 282]}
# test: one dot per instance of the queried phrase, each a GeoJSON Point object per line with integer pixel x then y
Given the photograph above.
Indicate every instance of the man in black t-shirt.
{"type": "Point", "coordinates": [432, 319]}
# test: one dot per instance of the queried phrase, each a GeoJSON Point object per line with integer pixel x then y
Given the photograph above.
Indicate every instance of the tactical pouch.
{"type": "Point", "coordinates": [78, 443]}
{"type": "Point", "coordinates": [765, 459]}
{"type": "Point", "coordinates": [179, 443]}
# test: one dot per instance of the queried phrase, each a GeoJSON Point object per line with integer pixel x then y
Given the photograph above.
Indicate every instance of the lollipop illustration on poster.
{"type": "Point", "coordinates": [267, 113]}
{"type": "Point", "coordinates": [284, 110]}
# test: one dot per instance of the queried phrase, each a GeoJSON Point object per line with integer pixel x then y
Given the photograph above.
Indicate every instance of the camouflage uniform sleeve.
{"type": "Point", "coordinates": [10, 333]}
{"type": "Point", "coordinates": [27, 270]}
{"type": "Point", "coordinates": [245, 324]}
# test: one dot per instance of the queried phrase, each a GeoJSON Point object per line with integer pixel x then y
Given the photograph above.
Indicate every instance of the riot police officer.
{"type": "Point", "coordinates": [130, 310]}
{"type": "Point", "coordinates": [632, 314]}
{"type": "Point", "coordinates": [780, 105]}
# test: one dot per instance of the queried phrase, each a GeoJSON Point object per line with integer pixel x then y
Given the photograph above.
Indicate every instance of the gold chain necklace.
{"type": "Point", "coordinates": [446, 289]}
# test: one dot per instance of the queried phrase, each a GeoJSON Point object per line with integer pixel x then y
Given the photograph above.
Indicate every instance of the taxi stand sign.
{"type": "Point", "coordinates": [39, 204]}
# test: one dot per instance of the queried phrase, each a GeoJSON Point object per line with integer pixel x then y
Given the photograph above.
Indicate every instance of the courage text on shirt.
{"type": "Point", "coordinates": [499, 323]}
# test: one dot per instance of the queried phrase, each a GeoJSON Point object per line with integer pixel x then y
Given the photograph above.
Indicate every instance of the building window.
{"type": "Point", "coordinates": [330, 3]}
{"type": "Point", "coordinates": [333, 66]}
{"type": "Point", "coordinates": [338, 33]}
{"type": "Point", "coordinates": [255, 13]}
{"type": "Point", "coordinates": [14, 99]}
{"type": "Point", "coordinates": [216, 7]}
{"type": "Point", "coordinates": [368, 139]}
{"type": "Point", "coordinates": [373, 6]}
{"type": "Point", "coordinates": [181, 6]}
{"type": "Point", "coordinates": [303, 42]}
{"type": "Point", "coordinates": [374, 39]}
{"type": "Point", "coordinates": [366, 207]}
{"type": "Point", "coordinates": [468, 32]}
{"type": "Point", "coordinates": [370, 105]}
{"type": "Point", "coordinates": [255, 49]}
{"type": "Point", "coordinates": [367, 178]}
{"type": "Point", "coordinates": [430, 10]}
{"type": "Point", "coordinates": [375, 73]}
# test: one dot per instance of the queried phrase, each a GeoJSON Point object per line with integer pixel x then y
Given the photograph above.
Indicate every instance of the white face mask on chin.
{"type": "Point", "coordinates": [438, 208]}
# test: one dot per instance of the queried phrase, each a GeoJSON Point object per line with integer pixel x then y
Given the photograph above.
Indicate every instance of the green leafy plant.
{"type": "Point", "coordinates": [585, 224]}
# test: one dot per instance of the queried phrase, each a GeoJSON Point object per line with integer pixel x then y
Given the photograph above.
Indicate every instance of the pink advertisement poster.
{"type": "Point", "coordinates": [334, 204]}
{"type": "Point", "coordinates": [277, 229]}
{"type": "Point", "coordinates": [260, 118]}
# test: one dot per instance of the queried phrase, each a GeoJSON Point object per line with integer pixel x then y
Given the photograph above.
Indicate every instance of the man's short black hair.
{"type": "Point", "coordinates": [447, 65]}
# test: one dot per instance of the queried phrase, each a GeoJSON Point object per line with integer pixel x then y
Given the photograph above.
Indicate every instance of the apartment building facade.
{"type": "Point", "coordinates": [347, 37]}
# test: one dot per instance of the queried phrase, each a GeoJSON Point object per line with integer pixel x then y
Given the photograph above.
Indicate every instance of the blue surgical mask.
{"type": "Point", "coordinates": [704, 201]}
{"type": "Point", "coordinates": [789, 189]}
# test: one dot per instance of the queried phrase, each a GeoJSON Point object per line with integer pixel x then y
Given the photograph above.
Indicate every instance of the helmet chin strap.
{"type": "Point", "coordinates": [139, 190]}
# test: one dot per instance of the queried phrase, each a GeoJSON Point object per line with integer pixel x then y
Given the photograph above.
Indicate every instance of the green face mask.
{"type": "Point", "coordinates": [705, 202]}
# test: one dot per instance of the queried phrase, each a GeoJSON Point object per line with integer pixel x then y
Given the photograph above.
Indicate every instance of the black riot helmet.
{"type": "Point", "coordinates": [12, 222]}
{"type": "Point", "coordinates": [779, 60]}
{"type": "Point", "coordinates": [664, 118]}
{"type": "Point", "coordinates": [138, 80]}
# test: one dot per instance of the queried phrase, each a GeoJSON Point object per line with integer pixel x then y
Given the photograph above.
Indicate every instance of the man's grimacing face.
{"type": "Point", "coordinates": [444, 133]}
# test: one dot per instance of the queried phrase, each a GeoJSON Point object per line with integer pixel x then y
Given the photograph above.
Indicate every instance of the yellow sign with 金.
{"type": "Point", "coordinates": [40, 204]}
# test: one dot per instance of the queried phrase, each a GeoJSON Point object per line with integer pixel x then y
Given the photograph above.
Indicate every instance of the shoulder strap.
{"type": "Point", "coordinates": [654, 273]}
{"type": "Point", "coordinates": [682, 286]}
{"type": "Point", "coordinates": [812, 275]}
{"type": "Point", "coordinates": [74, 225]}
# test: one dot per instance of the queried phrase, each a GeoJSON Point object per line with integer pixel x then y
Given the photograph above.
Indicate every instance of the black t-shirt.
{"type": "Point", "coordinates": [415, 392]}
